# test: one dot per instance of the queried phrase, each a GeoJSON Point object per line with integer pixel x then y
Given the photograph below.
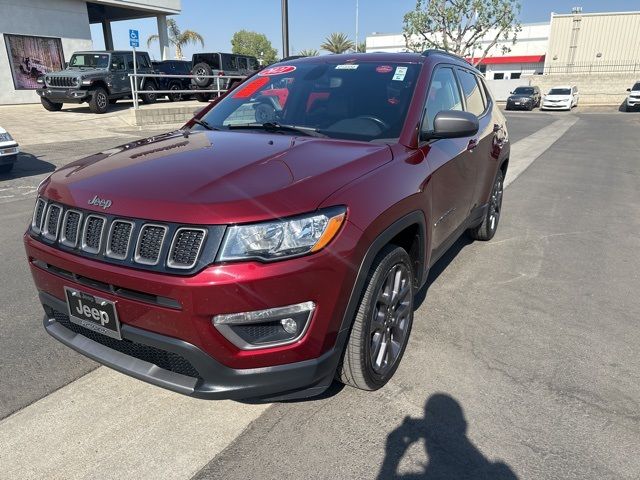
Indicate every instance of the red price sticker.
{"type": "Point", "coordinates": [384, 69]}
{"type": "Point", "coordinates": [269, 72]}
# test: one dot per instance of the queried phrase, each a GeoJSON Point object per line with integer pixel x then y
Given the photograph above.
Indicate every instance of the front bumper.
{"type": "Point", "coordinates": [183, 325]}
{"type": "Point", "coordinates": [633, 102]}
{"type": "Point", "coordinates": [201, 376]}
{"type": "Point", "coordinates": [556, 106]}
{"type": "Point", "coordinates": [64, 95]}
{"type": "Point", "coordinates": [8, 153]}
{"type": "Point", "coordinates": [521, 105]}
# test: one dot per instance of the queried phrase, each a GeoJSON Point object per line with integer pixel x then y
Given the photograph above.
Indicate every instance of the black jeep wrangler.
{"type": "Point", "coordinates": [99, 78]}
{"type": "Point", "coordinates": [223, 64]}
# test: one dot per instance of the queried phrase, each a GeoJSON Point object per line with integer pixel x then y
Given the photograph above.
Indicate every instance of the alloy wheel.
{"type": "Point", "coordinates": [496, 203]}
{"type": "Point", "coordinates": [391, 319]}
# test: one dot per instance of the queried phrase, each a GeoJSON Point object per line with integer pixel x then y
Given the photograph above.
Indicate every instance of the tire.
{"type": "Point", "coordinates": [99, 102]}
{"type": "Point", "coordinates": [202, 69]}
{"type": "Point", "coordinates": [487, 229]}
{"type": "Point", "coordinates": [49, 105]}
{"type": "Point", "coordinates": [203, 97]}
{"type": "Point", "coordinates": [149, 98]}
{"type": "Point", "coordinates": [175, 97]}
{"type": "Point", "coordinates": [6, 168]}
{"type": "Point", "coordinates": [357, 367]}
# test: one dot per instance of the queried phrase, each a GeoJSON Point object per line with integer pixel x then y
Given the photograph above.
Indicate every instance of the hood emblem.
{"type": "Point", "coordinates": [100, 202]}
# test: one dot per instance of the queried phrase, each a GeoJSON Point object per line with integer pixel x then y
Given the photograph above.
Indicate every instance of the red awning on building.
{"type": "Point", "coordinates": [511, 59]}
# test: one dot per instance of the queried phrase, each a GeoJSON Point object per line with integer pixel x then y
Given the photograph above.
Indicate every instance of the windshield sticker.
{"type": "Point", "coordinates": [401, 72]}
{"type": "Point", "coordinates": [268, 72]}
{"type": "Point", "coordinates": [347, 66]}
{"type": "Point", "coordinates": [384, 69]}
{"type": "Point", "coordinates": [250, 88]}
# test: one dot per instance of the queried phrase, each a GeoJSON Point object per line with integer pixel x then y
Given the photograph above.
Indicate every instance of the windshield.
{"type": "Point", "coordinates": [523, 91]}
{"type": "Point", "coordinates": [636, 87]}
{"type": "Point", "coordinates": [89, 60]}
{"type": "Point", "coordinates": [354, 101]}
{"type": "Point", "coordinates": [560, 91]}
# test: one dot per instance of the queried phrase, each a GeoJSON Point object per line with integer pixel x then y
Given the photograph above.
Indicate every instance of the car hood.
{"type": "Point", "coordinates": [215, 177]}
{"type": "Point", "coordinates": [557, 97]}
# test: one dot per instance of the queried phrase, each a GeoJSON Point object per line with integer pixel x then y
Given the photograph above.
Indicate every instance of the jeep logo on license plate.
{"type": "Point", "coordinates": [93, 313]}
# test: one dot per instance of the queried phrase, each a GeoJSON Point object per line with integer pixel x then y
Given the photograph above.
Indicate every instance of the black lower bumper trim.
{"type": "Point", "coordinates": [215, 381]}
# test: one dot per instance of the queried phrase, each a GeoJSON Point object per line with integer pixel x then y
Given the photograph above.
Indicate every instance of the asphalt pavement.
{"type": "Point", "coordinates": [523, 358]}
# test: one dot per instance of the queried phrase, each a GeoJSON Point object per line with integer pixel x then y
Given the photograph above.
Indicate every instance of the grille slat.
{"type": "Point", "coordinates": [52, 222]}
{"type": "Point", "coordinates": [119, 239]}
{"type": "Point", "coordinates": [38, 215]}
{"type": "Point", "coordinates": [150, 244]}
{"type": "Point", "coordinates": [186, 247]}
{"type": "Point", "coordinates": [71, 228]}
{"type": "Point", "coordinates": [61, 81]}
{"type": "Point", "coordinates": [92, 234]}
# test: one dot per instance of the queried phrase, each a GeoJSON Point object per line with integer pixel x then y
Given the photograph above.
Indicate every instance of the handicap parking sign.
{"type": "Point", "coordinates": [134, 38]}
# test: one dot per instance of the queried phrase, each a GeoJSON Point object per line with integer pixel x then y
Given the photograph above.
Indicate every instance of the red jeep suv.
{"type": "Point", "coordinates": [277, 240]}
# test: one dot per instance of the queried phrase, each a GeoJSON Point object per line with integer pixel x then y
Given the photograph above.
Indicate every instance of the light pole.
{"type": "Point", "coordinates": [285, 28]}
{"type": "Point", "coordinates": [357, 25]}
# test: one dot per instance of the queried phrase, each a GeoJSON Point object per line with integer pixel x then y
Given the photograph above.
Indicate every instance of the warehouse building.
{"type": "Point", "coordinates": [39, 36]}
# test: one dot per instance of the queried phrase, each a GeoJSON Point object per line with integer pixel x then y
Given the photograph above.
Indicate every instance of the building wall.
{"type": "Point", "coordinates": [608, 89]}
{"type": "Point", "coordinates": [65, 19]}
{"type": "Point", "coordinates": [613, 35]}
{"type": "Point", "coordinates": [171, 6]}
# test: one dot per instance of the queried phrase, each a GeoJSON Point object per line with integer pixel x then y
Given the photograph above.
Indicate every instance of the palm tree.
{"type": "Point", "coordinates": [362, 47]}
{"type": "Point", "coordinates": [337, 43]}
{"type": "Point", "coordinates": [309, 52]}
{"type": "Point", "coordinates": [178, 38]}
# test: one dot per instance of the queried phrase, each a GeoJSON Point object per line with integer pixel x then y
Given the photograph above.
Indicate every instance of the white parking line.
{"type": "Point", "coordinates": [106, 425]}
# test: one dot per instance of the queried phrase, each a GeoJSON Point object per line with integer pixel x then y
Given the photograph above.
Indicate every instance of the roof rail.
{"type": "Point", "coordinates": [435, 51]}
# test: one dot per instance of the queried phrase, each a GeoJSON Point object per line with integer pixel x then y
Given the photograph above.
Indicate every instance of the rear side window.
{"type": "Point", "coordinates": [229, 62]}
{"type": "Point", "coordinates": [117, 62]}
{"type": "Point", "coordinates": [253, 64]}
{"type": "Point", "coordinates": [242, 63]}
{"type": "Point", "coordinates": [471, 91]}
{"type": "Point", "coordinates": [443, 95]}
{"type": "Point", "coordinates": [212, 59]}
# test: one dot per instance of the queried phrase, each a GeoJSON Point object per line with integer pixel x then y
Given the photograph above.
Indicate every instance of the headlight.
{"type": "Point", "coordinates": [285, 238]}
{"type": "Point", "coordinates": [87, 82]}
{"type": "Point", "coordinates": [40, 80]}
{"type": "Point", "coordinates": [5, 137]}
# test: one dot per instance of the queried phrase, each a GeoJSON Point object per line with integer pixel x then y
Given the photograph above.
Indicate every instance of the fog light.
{"type": "Point", "coordinates": [289, 325]}
{"type": "Point", "coordinates": [265, 328]}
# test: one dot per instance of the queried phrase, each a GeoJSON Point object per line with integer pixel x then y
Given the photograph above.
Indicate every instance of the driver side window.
{"type": "Point", "coordinates": [443, 95]}
{"type": "Point", "coordinates": [117, 63]}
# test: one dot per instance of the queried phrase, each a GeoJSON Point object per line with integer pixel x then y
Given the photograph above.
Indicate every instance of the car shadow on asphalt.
{"type": "Point", "coordinates": [440, 266]}
{"type": "Point", "coordinates": [27, 165]}
{"type": "Point", "coordinates": [450, 453]}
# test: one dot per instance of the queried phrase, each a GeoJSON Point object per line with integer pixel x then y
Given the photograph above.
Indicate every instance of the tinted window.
{"type": "Point", "coordinates": [523, 91]}
{"type": "Point", "coordinates": [353, 101]}
{"type": "Point", "coordinates": [443, 95]}
{"type": "Point", "coordinates": [560, 91]}
{"type": "Point", "coordinates": [143, 61]}
{"type": "Point", "coordinates": [515, 76]}
{"type": "Point", "coordinates": [471, 91]}
{"type": "Point", "coordinates": [242, 63]}
{"type": "Point", "coordinates": [253, 64]}
{"type": "Point", "coordinates": [129, 60]}
{"type": "Point", "coordinates": [229, 62]}
{"type": "Point", "coordinates": [213, 59]}
{"type": "Point", "coordinates": [636, 86]}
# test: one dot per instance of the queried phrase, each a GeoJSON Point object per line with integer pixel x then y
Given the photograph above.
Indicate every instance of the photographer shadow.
{"type": "Point", "coordinates": [451, 455]}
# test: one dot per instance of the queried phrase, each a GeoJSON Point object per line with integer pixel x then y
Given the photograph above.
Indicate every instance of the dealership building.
{"type": "Point", "coordinates": [37, 36]}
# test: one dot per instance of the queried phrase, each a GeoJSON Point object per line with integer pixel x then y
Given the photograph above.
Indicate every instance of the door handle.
{"type": "Point", "coordinates": [473, 143]}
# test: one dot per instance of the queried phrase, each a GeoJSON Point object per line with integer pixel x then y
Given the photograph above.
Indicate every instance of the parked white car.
{"type": "Point", "coordinates": [561, 98]}
{"type": "Point", "coordinates": [8, 151]}
{"type": "Point", "coordinates": [633, 99]}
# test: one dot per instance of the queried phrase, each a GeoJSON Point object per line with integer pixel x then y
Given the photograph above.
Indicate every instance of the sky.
{"type": "Point", "coordinates": [310, 21]}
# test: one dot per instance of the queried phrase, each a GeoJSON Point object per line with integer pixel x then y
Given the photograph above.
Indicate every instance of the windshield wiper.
{"type": "Point", "coordinates": [277, 127]}
{"type": "Point", "coordinates": [204, 123]}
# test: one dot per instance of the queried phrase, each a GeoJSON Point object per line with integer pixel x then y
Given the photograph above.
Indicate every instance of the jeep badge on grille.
{"type": "Point", "coordinates": [100, 202]}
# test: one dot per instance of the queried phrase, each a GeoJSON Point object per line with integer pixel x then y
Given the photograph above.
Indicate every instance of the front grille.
{"type": "Point", "coordinates": [162, 358]}
{"type": "Point", "coordinates": [52, 222]}
{"type": "Point", "coordinates": [92, 234]}
{"type": "Point", "coordinates": [119, 239]}
{"type": "Point", "coordinates": [61, 81]}
{"type": "Point", "coordinates": [186, 247]}
{"type": "Point", "coordinates": [38, 215]}
{"type": "Point", "coordinates": [71, 228]}
{"type": "Point", "coordinates": [137, 243]}
{"type": "Point", "coordinates": [150, 244]}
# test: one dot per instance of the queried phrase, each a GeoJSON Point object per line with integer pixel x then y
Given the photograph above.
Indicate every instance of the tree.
{"type": "Point", "coordinates": [337, 43]}
{"type": "Point", "coordinates": [362, 47]}
{"type": "Point", "coordinates": [178, 38]}
{"type": "Point", "coordinates": [459, 26]}
{"type": "Point", "coordinates": [255, 44]}
{"type": "Point", "coordinates": [309, 52]}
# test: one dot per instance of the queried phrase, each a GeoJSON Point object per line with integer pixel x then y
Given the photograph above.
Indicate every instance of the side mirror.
{"type": "Point", "coordinates": [628, 89]}
{"type": "Point", "coordinates": [66, 64]}
{"type": "Point", "coordinates": [510, 93]}
{"type": "Point", "coordinates": [452, 124]}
